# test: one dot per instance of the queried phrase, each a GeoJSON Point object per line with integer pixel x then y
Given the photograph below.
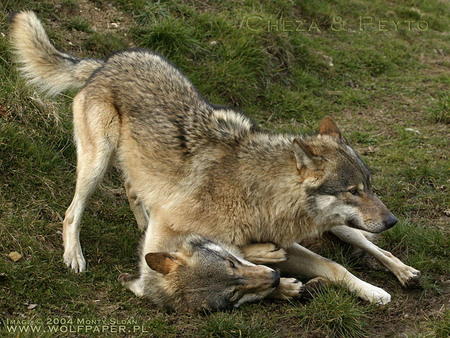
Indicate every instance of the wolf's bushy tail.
{"type": "Point", "coordinates": [41, 63]}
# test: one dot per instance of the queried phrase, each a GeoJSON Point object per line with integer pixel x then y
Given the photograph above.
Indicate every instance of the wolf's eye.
{"type": "Point", "coordinates": [232, 265]}
{"type": "Point", "coordinates": [232, 294]}
{"type": "Point", "coordinates": [354, 192]}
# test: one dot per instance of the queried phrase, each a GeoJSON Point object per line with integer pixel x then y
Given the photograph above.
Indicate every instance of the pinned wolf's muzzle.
{"type": "Point", "coordinates": [259, 278]}
{"type": "Point", "coordinates": [276, 277]}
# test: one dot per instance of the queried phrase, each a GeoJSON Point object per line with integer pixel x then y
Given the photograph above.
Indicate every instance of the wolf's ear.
{"type": "Point", "coordinates": [161, 262]}
{"type": "Point", "coordinates": [330, 128]}
{"type": "Point", "coordinates": [305, 154]}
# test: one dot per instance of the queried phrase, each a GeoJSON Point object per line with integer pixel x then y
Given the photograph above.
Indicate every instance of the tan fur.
{"type": "Point", "coordinates": [42, 63]}
{"type": "Point", "coordinates": [192, 167]}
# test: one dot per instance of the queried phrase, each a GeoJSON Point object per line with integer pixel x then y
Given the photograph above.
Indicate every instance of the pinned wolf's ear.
{"type": "Point", "coordinates": [305, 154]}
{"type": "Point", "coordinates": [161, 262]}
{"type": "Point", "coordinates": [330, 128]}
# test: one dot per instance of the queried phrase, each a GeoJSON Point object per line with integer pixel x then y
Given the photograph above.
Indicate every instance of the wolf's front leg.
{"type": "Point", "coordinates": [405, 274]}
{"type": "Point", "coordinates": [303, 262]}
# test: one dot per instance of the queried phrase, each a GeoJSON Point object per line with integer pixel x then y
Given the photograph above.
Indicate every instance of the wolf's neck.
{"type": "Point", "coordinates": [273, 189]}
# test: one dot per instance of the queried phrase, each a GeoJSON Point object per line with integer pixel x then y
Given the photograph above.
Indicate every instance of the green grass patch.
{"type": "Point", "coordinates": [441, 324]}
{"type": "Point", "coordinates": [439, 110]}
{"type": "Point", "coordinates": [79, 24]}
{"type": "Point", "coordinates": [333, 311]}
{"type": "Point", "coordinates": [234, 324]}
{"type": "Point", "coordinates": [104, 43]}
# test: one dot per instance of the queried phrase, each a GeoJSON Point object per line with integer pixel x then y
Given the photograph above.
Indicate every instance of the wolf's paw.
{"type": "Point", "coordinates": [288, 288]}
{"type": "Point", "coordinates": [408, 276]}
{"type": "Point", "coordinates": [313, 286]}
{"type": "Point", "coordinates": [131, 282]}
{"type": "Point", "coordinates": [124, 278]}
{"type": "Point", "coordinates": [74, 259]}
{"type": "Point", "coordinates": [375, 295]}
{"type": "Point", "coordinates": [264, 253]}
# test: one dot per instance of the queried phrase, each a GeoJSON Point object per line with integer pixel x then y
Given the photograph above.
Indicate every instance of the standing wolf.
{"type": "Point", "coordinates": [197, 168]}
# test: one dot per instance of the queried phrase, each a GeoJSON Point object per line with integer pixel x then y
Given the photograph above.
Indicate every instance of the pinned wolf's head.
{"type": "Point", "coordinates": [338, 182]}
{"type": "Point", "coordinates": [202, 275]}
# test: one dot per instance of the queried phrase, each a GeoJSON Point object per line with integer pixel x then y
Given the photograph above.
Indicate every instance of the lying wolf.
{"type": "Point", "coordinates": [198, 168]}
{"type": "Point", "coordinates": [192, 274]}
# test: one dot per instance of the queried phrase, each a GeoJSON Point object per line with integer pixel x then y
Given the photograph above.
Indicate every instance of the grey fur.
{"type": "Point", "coordinates": [203, 276]}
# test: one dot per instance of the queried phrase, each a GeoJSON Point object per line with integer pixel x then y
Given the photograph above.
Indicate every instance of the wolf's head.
{"type": "Point", "coordinates": [338, 182]}
{"type": "Point", "coordinates": [202, 275]}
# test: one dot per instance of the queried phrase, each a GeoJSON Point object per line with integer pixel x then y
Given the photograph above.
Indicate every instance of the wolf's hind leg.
{"type": "Point", "coordinates": [263, 253]}
{"type": "Point", "coordinates": [137, 206]}
{"type": "Point", "coordinates": [96, 135]}
{"type": "Point", "coordinates": [303, 262]}
{"type": "Point", "coordinates": [405, 274]}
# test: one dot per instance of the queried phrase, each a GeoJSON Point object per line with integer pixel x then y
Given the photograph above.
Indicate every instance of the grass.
{"type": "Point", "coordinates": [79, 24]}
{"type": "Point", "coordinates": [333, 312]}
{"type": "Point", "coordinates": [441, 324]}
{"type": "Point", "coordinates": [388, 90]}
{"type": "Point", "coordinates": [440, 109]}
{"type": "Point", "coordinates": [223, 324]}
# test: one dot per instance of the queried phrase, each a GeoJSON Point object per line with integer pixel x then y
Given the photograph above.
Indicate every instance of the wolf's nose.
{"type": "Point", "coordinates": [276, 277]}
{"type": "Point", "coordinates": [390, 221]}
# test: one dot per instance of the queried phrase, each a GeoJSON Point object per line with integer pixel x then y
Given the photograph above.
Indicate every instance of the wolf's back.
{"type": "Point", "coordinates": [41, 63]}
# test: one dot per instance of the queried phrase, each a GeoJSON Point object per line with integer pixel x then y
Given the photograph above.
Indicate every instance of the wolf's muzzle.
{"type": "Point", "coordinates": [276, 277]}
{"type": "Point", "coordinates": [390, 221]}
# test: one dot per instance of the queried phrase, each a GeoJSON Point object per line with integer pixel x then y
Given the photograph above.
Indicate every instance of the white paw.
{"type": "Point", "coordinates": [375, 295]}
{"type": "Point", "coordinates": [132, 283]}
{"type": "Point", "coordinates": [408, 276]}
{"type": "Point", "coordinates": [289, 288]}
{"type": "Point", "coordinates": [264, 253]}
{"type": "Point", "coordinates": [74, 259]}
{"type": "Point", "coordinates": [126, 278]}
